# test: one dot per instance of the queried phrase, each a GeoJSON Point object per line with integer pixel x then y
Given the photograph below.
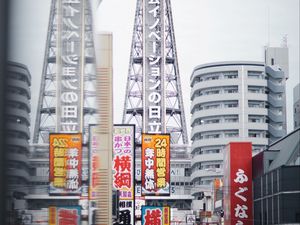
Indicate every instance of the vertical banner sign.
{"type": "Point", "coordinates": [155, 164]}
{"type": "Point", "coordinates": [123, 170]}
{"type": "Point", "coordinates": [238, 182]}
{"type": "Point", "coordinates": [155, 215]}
{"type": "Point", "coordinates": [153, 74]}
{"type": "Point", "coordinates": [65, 162]}
{"type": "Point", "coordinates": [94, 164]}
{"type": "Point", "coordinates": [70, 64]}
{"type": "Point", "coordinates": [69, 215]}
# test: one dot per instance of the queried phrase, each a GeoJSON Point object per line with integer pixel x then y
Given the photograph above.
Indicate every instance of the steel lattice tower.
{"type": "Point", "coordinates": [46, 111]}
{"type": "Point", "coordinates": [173, 113]}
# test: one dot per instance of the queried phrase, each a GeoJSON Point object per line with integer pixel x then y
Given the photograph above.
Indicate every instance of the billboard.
{"type": "Point", "coordinates": [70, 65]}
{"type": "Point", "coordinates": [238, 183]}
{"type": "Point", "coordinates": [153, 65]}
{"type": "Point", "coordinates": [155, 164]}
{"type": "Point", "coordinates": [65, 163]}
{"type": "Point", "coordinates": [94, 164]}
{"type": "Point", "coordinates": [156, 215]}
{"type": "Point", "coordinates": [68, 215]}
{"type": "Point", "coordinates": [123, 170]}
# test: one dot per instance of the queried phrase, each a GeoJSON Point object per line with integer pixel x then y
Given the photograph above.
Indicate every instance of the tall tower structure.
{"type": "Point", "coordinates": [67, 91]}
{"type": "Point", "coordinates": [153, 100]}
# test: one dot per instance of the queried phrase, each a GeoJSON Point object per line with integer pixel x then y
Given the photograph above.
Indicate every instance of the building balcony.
{"type": "Point", "coordinates": [206, 173]}
{"type": "Point", "coordinates": [21, 99]}
{"type": "Point", "coordinates": [214, 112]}
{"type": "Point", "coordinates": [215, 97]}
{"type": "Point", "coordinates": [213, 127]}
{"type": "Point", "coordinates": [206, 158]}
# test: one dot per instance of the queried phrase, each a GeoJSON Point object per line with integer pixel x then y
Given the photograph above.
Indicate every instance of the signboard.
{"type": "Point", "coordinates": [69, 215]}
{"type": "Point", "coordinates": [123, 170]}
{"type": "Point", "coordinates": [155, 164]}
{"type": "Point", "coordinates": [94, 163]}
{"type": "Point", "coordinates": [65, 163]}
{"type": "Point", "coordinates": [70, 66]}
{"type": "Point", "coordinates": [153, 74]}
{"type": "Point", "coordinates": [238, 183]}
{"type": "Point", "coordinates": [191, 219]}
{"type": "Point", "coordinates": [156, 215]}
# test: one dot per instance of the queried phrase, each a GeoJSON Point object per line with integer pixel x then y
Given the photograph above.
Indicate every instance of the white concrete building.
{"type": "Point", "coordinates": [232, 101]}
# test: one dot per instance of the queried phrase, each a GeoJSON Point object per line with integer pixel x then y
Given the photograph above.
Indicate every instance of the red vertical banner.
{"type": "Point", "coordinates": [156, 215]}
{"type": "Point", "coordinates": [123, 170]}
{"type": "Point", "coordinates": [65, 162]}
{"type": "Point", "coordinates": [155, 164]}
{"type": "Point", "coordinates": [238, 184]}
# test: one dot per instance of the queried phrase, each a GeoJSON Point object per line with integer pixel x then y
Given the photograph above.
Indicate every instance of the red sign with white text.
{"type": "Point", "coordinates": [238, 184]}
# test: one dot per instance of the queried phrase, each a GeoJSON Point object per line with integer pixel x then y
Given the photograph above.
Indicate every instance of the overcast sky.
{"type": "Point", "coordinates": [205, 31]}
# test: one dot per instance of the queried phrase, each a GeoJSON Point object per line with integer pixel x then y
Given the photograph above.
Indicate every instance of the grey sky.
{"type": "Point", "coordinates": [205, 31]}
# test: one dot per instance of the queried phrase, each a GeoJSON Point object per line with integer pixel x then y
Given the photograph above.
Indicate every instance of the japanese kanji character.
{"type": "Point", "coordinates": [241, 190]}
{"type": "Point", "coordinates": [161, 152]}
{"type": "Point", "coordinates": [154, 112]}
{"type": "Point", "coordinates": [59, 172]}
{"type": "Point", "coordinates": [241, 177]}
{"type": "Point", "coordinates": [161, 172]}
{"type": "Point", "coordinates": [161, 182]}
{"type": "Point", "coordinates": [59, 182]}
{"type": "Point", "coordinates": [239, 223]}
{"type": "Point", "coordinates": [125, 217]}
{"type": "Point", "coordinates": [69, 111]}
{"type": "Point", "coordinates": [240, 211]}
{"type": "Point", "coordinates": [59, 152]}
{"type": "Point", "coordinates": [72, 174]}
{"type": "Point", "coordinates": [149, 153]}
{"type": "Point", "coordinates": [149, 174]}
{"type": "Point", "coordinates": [123, 163]}
{"type": "Point", "coordinates": [72, 184]}
{"type": "Point", "coordinates": [73, 152]}
{"type": "Point", "coordinates": [153, 217]}
{"type": "Point", "coordinates": [59, 162]}
{"type": "Point", "coordinates": [72, 163]}
{"type": "Point", "coordinates": [122, 179]}
{"type": "Point", "coordinates": [161, 162]}
{"type": "Point", "coordinates": [149, 184]}
{"type": "Point", "coordinates": [69, 71]}
{"type": "Point", "coordinates": [155, 127]}
{"type": "Point", "coordinates": [67, 217]}
{"type": "Point", "coordinates": [149, 163]}
{"type": "Point", "coordinates": [68, 126]}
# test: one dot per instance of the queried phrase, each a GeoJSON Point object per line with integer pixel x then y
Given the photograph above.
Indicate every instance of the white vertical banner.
{"type": "Point", "coordinates": [153, 69]}
{"type": "Point", "coordinates": [69, 65]}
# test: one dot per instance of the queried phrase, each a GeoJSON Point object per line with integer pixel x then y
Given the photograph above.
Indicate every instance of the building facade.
{"type": "Point", "coordinates": [276, 184]}
{"type": "Point", "coordinates": [229, 103]}
{"type": "Point", "coordinates": [233, 101]}
{"type": "Point", "coordinates": [17, 133]}
{"type": "Point", "coordinates": [296, 106]}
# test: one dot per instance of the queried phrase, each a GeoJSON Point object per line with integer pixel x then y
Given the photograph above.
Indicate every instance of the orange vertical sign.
{"type": "Point", "coordinates": [155, 164]}
{"type": "Point", "coordinates": [65, 162]}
